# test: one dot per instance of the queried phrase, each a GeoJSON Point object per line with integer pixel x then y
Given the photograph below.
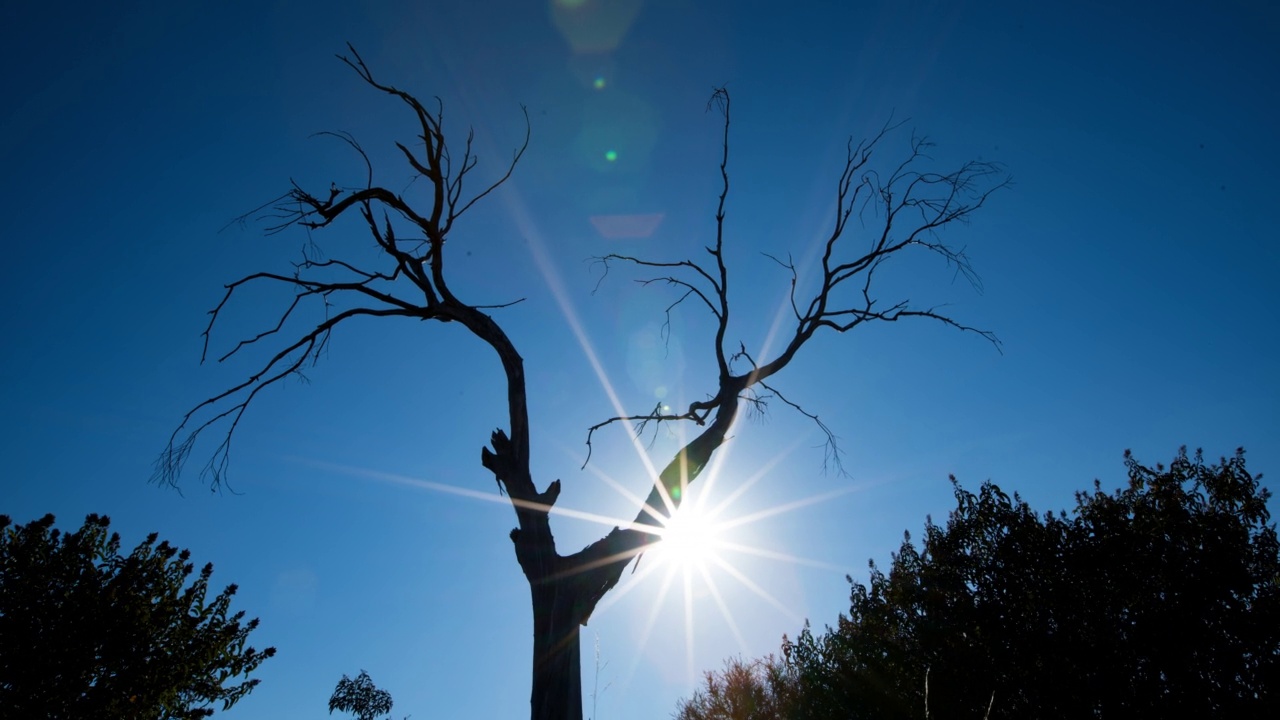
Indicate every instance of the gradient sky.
{"type": "Point", "coordinates": [1130, 272]}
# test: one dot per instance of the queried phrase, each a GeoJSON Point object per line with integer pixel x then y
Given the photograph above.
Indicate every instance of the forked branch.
{"type": "Point", "coordinates": [408, 279]}
{"type": "Point", "coordinates": [902, 209]}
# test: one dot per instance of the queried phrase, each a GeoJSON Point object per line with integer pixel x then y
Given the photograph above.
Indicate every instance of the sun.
{"type": "Point", "coordinates": [689, 539]}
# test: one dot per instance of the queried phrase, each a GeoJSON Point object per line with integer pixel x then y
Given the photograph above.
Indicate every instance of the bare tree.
{"type": "Point", "coordinates": [905, 207]}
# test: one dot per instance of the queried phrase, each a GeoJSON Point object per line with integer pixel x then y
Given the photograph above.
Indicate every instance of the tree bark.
{"type": "Point", "coordinates": [557, 657]}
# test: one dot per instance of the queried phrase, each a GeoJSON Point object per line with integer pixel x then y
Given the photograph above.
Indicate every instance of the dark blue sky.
{"type": "Point", "coordinates": [1130, 272]}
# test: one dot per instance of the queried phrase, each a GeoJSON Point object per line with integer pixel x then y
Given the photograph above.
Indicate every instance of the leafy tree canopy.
{"type": "Point", "coordinates": [745, 690]}
{"type": "Point", "coordinates": [86, 632]}
{"type": "Point", "coordinates": [360, 697]}
{"type": "Point", "coordinates": [1161, 599]}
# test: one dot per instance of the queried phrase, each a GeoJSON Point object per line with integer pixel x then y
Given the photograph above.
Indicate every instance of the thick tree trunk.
{"type": "Point", "coordinates": [557, 657]}
{"type": "Point", "coordinates": [555, 591]}
{"type": "Point", "coordinates": [564, 590]}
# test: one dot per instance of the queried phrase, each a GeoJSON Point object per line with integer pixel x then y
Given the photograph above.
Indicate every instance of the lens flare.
{"type": "Point", "coordinates": [623, 227]}
{"type": "Point", "coordinates": [612, 126]}
{"type": "Point", "coordinates": [593, 26]}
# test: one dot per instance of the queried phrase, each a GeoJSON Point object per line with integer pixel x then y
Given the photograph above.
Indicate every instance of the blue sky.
{"type": "Point", "coordinates": [1130, 272]}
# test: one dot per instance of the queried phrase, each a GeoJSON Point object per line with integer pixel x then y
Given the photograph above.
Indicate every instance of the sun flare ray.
{"type": "Point", "coordinates": [724, 608]}
{"type": "Point", "coordinates": [644, 570]}
{"type": "Point", "coordinates": [745, 485]}
{"type": "Point", "coordinates": [624, 492]}
{"type": "Point", "coordinates": [397, 479]}
{"type": "Point", "coordinates": [688, 621]}
{"type": "Point", "coordinates": [552, 277]}
{"type": "Point", "coordinates": [651, 620]}
{"type": "Point", "coordinates": [753, 587]}
{"type": "Point", "coordinates": [775, 555]}
{"type": "Point", "coordinates": [788, 507]}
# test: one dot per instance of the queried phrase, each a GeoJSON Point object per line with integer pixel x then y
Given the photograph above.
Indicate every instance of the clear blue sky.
{"type": "Point", "coordinates": [1131, 273]}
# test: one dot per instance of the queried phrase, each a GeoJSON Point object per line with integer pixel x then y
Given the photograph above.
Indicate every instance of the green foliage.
{"type": "Point", "coordinates": [755, 690]}
{"type": "Point", "coordinates": [1159, 600]}
{"type": "Point", "coordinates": [360, 697]}
{"type": "Point", "coordinates": [86, 632]}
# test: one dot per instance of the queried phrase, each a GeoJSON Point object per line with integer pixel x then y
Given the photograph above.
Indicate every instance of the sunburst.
{"type": "Point", "coordinates": [688, 539]}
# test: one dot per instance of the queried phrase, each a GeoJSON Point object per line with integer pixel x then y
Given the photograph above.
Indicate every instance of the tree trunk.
{"type": "Point", "coordinates": [555, 583]}
{"type": "Point", "coordinates": [565, 590]}
{"type": "Point", "coordinates": [557, 656]}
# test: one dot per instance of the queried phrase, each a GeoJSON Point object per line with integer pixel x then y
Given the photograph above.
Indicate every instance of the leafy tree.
{"type": "Point", "coordinates": [901, 210]}
{"type": "Point", "coordinates": [744, 690]}
{"type": "Point", "coordinates": [1161, 599]}
{"type": "Point", "coordinates": [86, 632]}
{"type": "Point", "coordinates": [360, 697]}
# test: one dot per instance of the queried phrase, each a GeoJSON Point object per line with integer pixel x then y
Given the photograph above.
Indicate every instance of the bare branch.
{"type": "Point", "coordinates": [287, 361]}
{"type": "Point", "coordinates": [906, 206]}
{"type": "Point", "coordinates": [720, 98]}
{"type": "Point", "coordinates": [758, 404]}
{"type": "Point", "coordinates": [519, 153]}
{"type": "Point", "coordinates": [243, 220]}
{"type": "Point", "coordinates": [368, 291]}
{"type": "Point", "coordinates": [832, 455]}
{"type": "Point", "coordinates": [308, 264]}
{"type": "Point", "coordinates": [689, 290]}
{"type": "Point", "coordinates": [790, 266]}
{"type": "Point", "coordinates": [695, 413]}
{"type": "Point", "coordinates": [691, 265]}
{"type": "Point", "coordinates": [349, 140]}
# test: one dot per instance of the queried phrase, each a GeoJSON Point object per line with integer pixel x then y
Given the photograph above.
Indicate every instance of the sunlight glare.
{"type": "Point", "coordinates": [689, 538]}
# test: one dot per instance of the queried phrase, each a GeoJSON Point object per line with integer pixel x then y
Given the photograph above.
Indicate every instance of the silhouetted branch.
{"type": "Point", "coordinates": [347, 138]}
{"type": "Point", "coordinates": [288, 361]}
{"type": "Point", "coordinates": [408, 280]}
{"type": "Point", "coordinates": [790, 267]}
{"type": "Point", "coordinates": [907, 208]}
{"type": "Point", "coordinates": [695, 267]}
{"type": "Point", "coordinates": [759, 404]}
{"type": "Point", "coordinates": [697, 412]}
{"type": "Point", "coordinates": [832, 455]}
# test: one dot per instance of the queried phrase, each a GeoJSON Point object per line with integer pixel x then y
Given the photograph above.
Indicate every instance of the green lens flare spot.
{"type": "Point", "coordinates": [675, 493]}
{"type": "Point", "coordinates": [598, 83]}
{"type": "Point", "coordinates": [610, 155]}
